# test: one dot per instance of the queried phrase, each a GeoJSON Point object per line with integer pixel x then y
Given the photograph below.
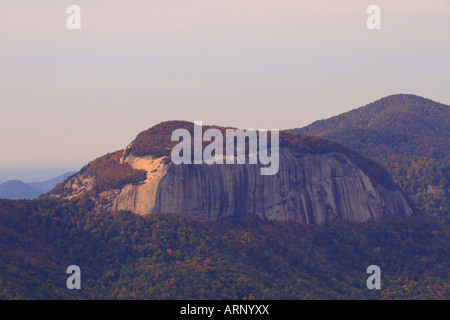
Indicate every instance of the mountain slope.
{"type": "Point", "coordinates": [407, 134]}
{"type": "Point", "coordinates": [398, 124]}
{"type": "Point", "coordinates": [127, 256]}
{"type": "Point", "coordinates": [318, 181]}
{"type": "Point", "coordinates": [16, 189]}
{"type": "Point", "coordinates": [51, 183]}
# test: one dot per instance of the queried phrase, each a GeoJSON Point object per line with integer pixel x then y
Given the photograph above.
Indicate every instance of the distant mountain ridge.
{"type": "Point", "coordinates": [51, 183]}
{"type": "Point", "coordinates": [16, 189]}
{"type": "Point", "coordinates": [407, 134]}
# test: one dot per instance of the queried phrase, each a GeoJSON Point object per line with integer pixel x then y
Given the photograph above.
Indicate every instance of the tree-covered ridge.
{"type": "Point", "coordinates": [108, 172]}
{"type": "Point", "coordinates": [156, 141]}
{"type": "Point", "coordinates": [398, 124]}
{"type": "Point", "coordinates": [409, 135]}
{"type": "Point", "coordinates": [374, 115]}
{"type": "Point", "coordinates": [127, 256]}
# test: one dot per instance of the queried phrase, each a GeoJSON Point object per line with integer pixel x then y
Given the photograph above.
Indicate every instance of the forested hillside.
{"type": "Point", "coordinates": [407, 134]}
{"type": "Point", "coordinates": [127, 256]}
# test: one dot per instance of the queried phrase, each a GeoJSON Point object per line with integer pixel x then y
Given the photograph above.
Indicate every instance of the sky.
{"type": "Point", "coordinates": [69, 96]}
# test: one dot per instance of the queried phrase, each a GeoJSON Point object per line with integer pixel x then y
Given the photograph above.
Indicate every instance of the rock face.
{"type": "Point", "coordinates": [308, 189]}
{"type": "Point", "coordinates": [140, 198]}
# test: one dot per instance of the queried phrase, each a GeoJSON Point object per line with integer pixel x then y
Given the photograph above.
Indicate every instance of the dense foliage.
{"type": "Point", "coordinates": [156, 141]}
{"type": "Point", "coordinates": [407, 134]}
{"type": "Point", "coordinates": [126, 256]}
{"type": "Point", "coordinates": [109, 173]}
{"type": "Point", "coordinates": [426, 180]}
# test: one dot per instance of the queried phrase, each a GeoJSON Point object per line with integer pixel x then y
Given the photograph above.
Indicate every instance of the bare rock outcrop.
{"type": "Point", "coordinates": [317, 181]}
{"type": "Point", "coordinates": [308, 190]}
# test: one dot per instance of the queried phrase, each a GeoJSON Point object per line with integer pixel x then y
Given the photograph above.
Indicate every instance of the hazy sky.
{"type": "Point", "coordinates": [67, 97]}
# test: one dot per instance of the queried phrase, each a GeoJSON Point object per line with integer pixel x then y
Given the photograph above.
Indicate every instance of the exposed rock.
{"type": "Point", "coordinates": [308, 190]}
{"type": "Point", "coordinates": [141, 198]}
{"type": "Point", "coordinates": [79, 185]}
{"type": "Point", "coordinates": [318, 181]}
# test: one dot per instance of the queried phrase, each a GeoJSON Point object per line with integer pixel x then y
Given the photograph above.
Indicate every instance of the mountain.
{"type": "Point", "coordinates": [50, 184]}
{"type": "Point", "coordinates": [16, 189]}
{"type": "Point", "coordinates": [407, 134]}
{"type": "Point", "coordinates": [395, 125]}
{"type": "Point", "coordinates": [309, 232]}
{"type": "Point", "coordinates": [318, 181]}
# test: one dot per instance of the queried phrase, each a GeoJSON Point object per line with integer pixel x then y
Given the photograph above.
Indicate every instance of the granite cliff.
{"type": "Point", "coordinates": [318, 181]}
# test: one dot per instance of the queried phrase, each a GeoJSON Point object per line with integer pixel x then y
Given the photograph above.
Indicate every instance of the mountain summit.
{"type": "Point", "coordinates": [409, 135]}
{"type": "Point", "coordinates": [398, 124]}
{"type": "Point", "coordinates": [318, 181]}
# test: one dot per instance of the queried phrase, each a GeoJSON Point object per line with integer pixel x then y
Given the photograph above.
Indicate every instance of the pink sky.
{"type": "Point", "coordinates": [70, 96]}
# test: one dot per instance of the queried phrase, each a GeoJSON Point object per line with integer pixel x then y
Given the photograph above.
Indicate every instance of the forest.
{"type": "Point", "coordinates": [127, 256]}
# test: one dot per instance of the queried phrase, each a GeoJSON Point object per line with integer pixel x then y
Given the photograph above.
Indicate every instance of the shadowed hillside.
{"type": "Point", "coordinates": [407, 134]}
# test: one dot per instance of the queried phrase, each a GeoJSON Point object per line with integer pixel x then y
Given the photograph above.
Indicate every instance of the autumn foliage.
{"type": "Point", "coordinates": [127, 256]}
